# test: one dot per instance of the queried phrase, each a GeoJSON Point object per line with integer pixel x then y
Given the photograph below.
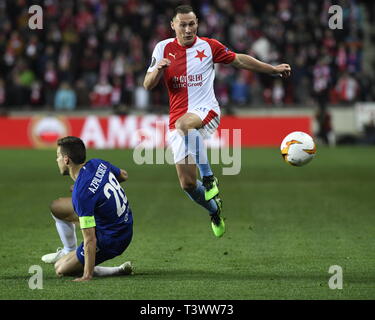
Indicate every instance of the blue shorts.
{"type": "Point", "coordinates": [107, 248]}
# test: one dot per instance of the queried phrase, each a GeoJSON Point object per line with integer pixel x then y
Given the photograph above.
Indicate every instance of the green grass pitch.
{"type": "Point", "coordinates": [285, 227]}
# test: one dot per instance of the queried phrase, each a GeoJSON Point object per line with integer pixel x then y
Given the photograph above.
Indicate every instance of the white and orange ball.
{"type": "Point", "coordinates": [298, 148]}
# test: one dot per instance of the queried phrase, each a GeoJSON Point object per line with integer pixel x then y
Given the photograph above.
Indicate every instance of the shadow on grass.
{"type": "Point", "coordinates": [26, 278]}
{"type": "Point", "coordinates": [185, 274]}
{"type": "Point", "coordinates": [201, 275]}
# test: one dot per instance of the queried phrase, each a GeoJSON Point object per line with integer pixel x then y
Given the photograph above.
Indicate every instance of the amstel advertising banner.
{"type": "Point", "coordinates": [122, 132]}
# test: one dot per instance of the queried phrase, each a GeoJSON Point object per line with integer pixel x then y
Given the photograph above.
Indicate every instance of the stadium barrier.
{"type": "Point", "coordinates": [109, 132]}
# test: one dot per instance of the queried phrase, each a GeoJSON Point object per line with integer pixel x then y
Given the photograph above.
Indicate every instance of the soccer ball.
{"type": "Point", "coordinates": [298, 148]}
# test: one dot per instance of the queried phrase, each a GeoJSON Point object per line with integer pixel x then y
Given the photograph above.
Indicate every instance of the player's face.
{"type": "Point", "coordinates": [185, 25]}
{"type": "Point", "coordinates": [64, 170]}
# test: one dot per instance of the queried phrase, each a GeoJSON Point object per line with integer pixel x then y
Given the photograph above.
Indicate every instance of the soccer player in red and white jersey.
{"type": "Point", "coordinates": [187, 64]}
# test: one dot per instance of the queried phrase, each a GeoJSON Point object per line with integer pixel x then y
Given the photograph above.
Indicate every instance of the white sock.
{"type": "Point", "coordinates": [67, 233]}
{"type": "Point", "coordinates": [106, 271]}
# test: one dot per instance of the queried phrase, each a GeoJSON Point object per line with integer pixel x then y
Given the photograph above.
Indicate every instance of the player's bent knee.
{"type": "Point", "coordinates": [62, 209]}
{"type": "Point", "coordinates": [59, 270]}
{"type": "Point", "coordinates": [63, 269]}
{"type": "Point", "coordinates": [55, 207]}
{"type": "Point", "coordinates": [68, 265]}
{"type": "Point", "coordinates": [180, 126]}
{"type": "Point", "coordinates": [183, 126]}
{"type": "Point", "coordinates": [59, 275]}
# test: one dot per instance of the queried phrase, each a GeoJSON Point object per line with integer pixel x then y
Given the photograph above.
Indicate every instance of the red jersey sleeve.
{"type": "Point", "coordinates": [220, 53]}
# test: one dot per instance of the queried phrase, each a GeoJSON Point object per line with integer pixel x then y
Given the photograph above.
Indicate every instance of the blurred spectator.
{"type": "Point", "coordinates": [141, 96]}
{"type": "Point", "coordinates": [353, 63]}
{"type": "Point", "coordinates": [32, 51]}
{"type": "Point", "coordinates": [116, 96]}
{"type": "Point", "coordinates": [83, 93]}
{"type": "Point", "coordinates": [240, 90]}
{"type": "Point", "coordinates": [369, 132]}
{"type": "Point", "coordinates": [51, 82]}
{"type": "Point", "coordinates": [347, 88]}
{"type": "Point", "coordinates": [94, 39]}
{"type": "Point", "coordinates": [47, 55]}
{"type": "Point", "coordinates": [89, 65]}
{"type": "Point", "coordinates": [238, 33]}
{"type": "Point", "coordinates": [322, 76]}
{"type": "Point", "coordinates": [64, 63]}
{"type": "Point", "coordinates": [262, 48]}
{"type": "Point", "coordinates": [321, 82]}
{"type": "Point", "coordinates": [83, 19]}
{"type": "Point", "coordinates": [222, 94]}
{"type": "Point", "coordinates": [367, 90]}
{"type": "Point", "coordinates": [341, 58]}
{"type": "Point", "coordinates": [102, 94]}
{"type": "Point", "coordinates": [36, 97]}
{"type": "Point", "coordinates": [325, 133]}
{"type": "Point", "coordinates": [106, 64]}
{"type": "Point", "coordinates": [15, 44]}
{"type": "Point", "coordinates": [65, 97]}
{"type": "Point", "coordinates": [22, 79]}
{"type": "Point", "coordinates": [278, 92]}
{"type": "Point", "coordinates": [300, 80]}
{"type": "Point", "coordinates": [119, 65]}
{"type": "Point", "coordinates": [267, 96]}
{"type": "Point", "coordinates": [25, 76]}
{"type": "Point", "coordinates": [129, 87]}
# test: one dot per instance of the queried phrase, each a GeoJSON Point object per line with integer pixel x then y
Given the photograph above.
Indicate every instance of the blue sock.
{"type": "Point", "coordinates": [195, 145]}
{"type": "Point", "coordinates": [198, 196]}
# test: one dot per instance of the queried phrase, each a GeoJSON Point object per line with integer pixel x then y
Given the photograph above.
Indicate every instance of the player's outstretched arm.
{"type": "Point", "coordinates": [153, 78]}
{"type": "Point", "coordinates": [243, 61]}
{"type": "Point", "coordinates": [89, 240]}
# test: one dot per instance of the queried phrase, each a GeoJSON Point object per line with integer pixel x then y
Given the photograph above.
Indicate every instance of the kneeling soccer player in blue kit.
{"type": "Point", "coordinates": [104, 213]}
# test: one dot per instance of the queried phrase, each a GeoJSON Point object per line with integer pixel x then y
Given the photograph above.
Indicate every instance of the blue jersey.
{"type": "Point", "coordinates": [98, 197]}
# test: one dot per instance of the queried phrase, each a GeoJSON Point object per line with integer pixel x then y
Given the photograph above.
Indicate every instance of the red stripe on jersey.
{"type": "Point", "coordinates": [211, 114]}
{"type": "Point", "coordinates": [175, 80]}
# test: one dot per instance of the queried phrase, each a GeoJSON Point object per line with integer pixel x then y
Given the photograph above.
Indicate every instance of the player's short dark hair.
{"type": "Point", "coordinates": [183, 9]}
{"type": "Point", "coordinates": [74, 148]}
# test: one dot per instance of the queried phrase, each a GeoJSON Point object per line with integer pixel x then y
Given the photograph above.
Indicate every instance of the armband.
{"type": "Point", "coordinates": [87, 222]}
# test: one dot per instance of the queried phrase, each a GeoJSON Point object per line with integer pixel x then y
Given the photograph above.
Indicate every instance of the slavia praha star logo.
{"type": "Point", "coordinates": [200, 55]}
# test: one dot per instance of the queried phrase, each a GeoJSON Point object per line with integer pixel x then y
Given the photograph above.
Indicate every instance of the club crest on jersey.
{"type": "Point", "coordinates": [200, 55]}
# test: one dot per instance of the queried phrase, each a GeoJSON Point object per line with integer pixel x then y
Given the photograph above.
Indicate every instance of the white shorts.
{"type": "Point", "coordinates": [211, 121]}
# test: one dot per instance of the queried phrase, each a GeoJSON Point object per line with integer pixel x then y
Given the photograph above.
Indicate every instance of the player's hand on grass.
{"type": "Point", "coordinates": [163, 63]}
{"type": "Point", "coordinates": [282, 70]}
{"type": "Point", "coordinates": [83, 278]}
{"type": "Point", "coordinates": [71, 188]}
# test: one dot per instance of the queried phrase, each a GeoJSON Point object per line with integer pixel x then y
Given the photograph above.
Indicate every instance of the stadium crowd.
{"type": "Point", "coordinates": [94, 53]}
